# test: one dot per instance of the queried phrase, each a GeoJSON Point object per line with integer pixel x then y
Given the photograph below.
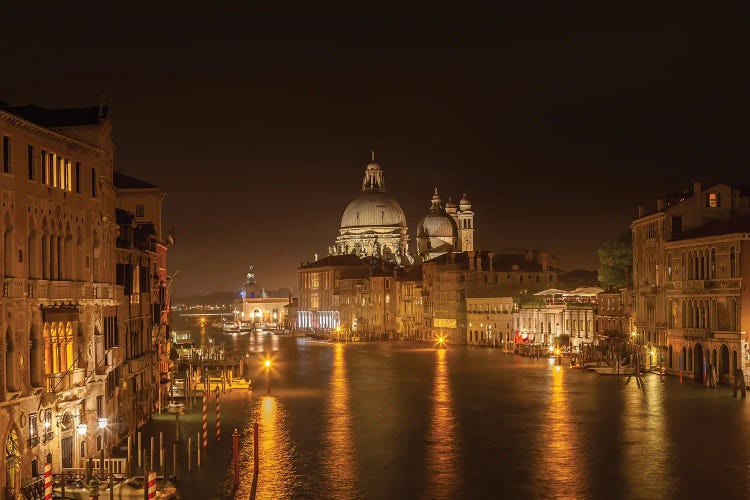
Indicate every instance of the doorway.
{"type": "Point", "coordinates": [698, 362]}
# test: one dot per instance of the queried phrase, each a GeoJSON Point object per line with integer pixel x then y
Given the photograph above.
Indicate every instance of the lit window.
{"type": "Point", "coordinates": [713, 200]}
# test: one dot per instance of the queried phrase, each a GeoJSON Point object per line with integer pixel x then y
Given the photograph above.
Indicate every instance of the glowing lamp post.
{"type": "Point", "coordinates": [267, 364]}
{"type": "Point", "coordinates": [102, 427]}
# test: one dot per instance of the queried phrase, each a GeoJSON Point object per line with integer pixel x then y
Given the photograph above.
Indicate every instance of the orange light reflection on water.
{"type": "Point", "coordinates": [559, 451]}
{"type": "Point", "coordinates": [442, 453]}
{"type": "Point", "coordinates": [276, 476]}
{"type": "Point", "coordinates": [339, 453]}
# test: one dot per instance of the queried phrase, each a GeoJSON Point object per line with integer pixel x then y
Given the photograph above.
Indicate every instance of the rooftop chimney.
{"type": "Point", "coordinates": [641, 211]}
{"type": "Point", "coordinates": [696, 189]}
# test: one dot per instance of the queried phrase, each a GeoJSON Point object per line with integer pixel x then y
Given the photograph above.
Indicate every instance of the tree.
{"type": "Point", "coordinates": [615, 257]}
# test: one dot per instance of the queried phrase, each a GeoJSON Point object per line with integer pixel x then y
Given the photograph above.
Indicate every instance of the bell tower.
{"type": "Point", "coordinates": [466, 224]}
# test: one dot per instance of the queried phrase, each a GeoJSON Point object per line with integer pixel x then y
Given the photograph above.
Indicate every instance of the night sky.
{"type": "Point", "coordinates": [558, 118]}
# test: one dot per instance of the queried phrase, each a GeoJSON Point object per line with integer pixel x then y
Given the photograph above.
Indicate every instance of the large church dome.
{"type": "Point", "coordinates": [373, 223]}
{"type": "Point", "coordinates": [373, 208]}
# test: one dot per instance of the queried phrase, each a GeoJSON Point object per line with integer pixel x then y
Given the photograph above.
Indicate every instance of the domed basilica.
{"type": "Point", "coordinates": [374, 224]}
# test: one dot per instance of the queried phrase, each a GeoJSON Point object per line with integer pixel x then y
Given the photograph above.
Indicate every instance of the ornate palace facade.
{"type": "Point", "coordinates": [68, 265]}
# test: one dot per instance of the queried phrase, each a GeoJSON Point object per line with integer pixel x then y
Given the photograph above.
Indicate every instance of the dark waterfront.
{"type": "Point", "coordinates": [397, 420]}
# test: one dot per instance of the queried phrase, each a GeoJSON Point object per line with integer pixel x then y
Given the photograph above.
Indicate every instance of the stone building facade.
{"type": "Point", "coordinates": [59, 294]}
{"type": "Point", "coordinates": [687, 281]}
{"type": "Point", "coordinates": [490, 319]}
{"type": "Point", "coordinates": [555, 313]}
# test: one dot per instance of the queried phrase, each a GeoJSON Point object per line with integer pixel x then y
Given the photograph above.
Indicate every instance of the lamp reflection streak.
{"type": "Point", "coordinates": [559, 451]}
{"type": "Point", "coordinates": [276, 453]}
{"type": "Point", "coordinates": [442, 453]}
{"type": "Point", "coordinates": [340, 454]}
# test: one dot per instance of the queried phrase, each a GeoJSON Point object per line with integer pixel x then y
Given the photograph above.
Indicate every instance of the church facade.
{"type": "Point", "coordinates": [374, 225]}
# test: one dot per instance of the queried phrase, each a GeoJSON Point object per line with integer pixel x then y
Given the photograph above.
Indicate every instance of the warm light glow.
{"type": "Point", "coordinates": [82, 429]}
{"type": "Point", "coordinates": [47, 424]}
{"type": "Point", "coordinates": [202, 320]}
{"type": "Point", "coordinates": [558, 437]}
{"type": "Point", "coordinates": [557, 351]}
{"type": "Point", "coordinates": [340, 452]}
{"type": "Point", "coordinates": [441, 340]}
{"type": "Point", "coordinates": [267, 363]}
{"type": "Point", "coordinates": [442, 453]}
{"type": "Point", "coordinates": [103, 423]}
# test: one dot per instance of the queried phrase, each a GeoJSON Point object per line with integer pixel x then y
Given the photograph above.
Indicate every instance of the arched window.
{"type": "Point", "coordinates": [8, 247]}
{"type": "Point", "coordinates": [34, 348]}
{"type": "Point", "coordinates": [669, 267]}
{"type": "Point", "coordinates": [713, 263]}
{"type": "Point", "coordinates": [10, 361]}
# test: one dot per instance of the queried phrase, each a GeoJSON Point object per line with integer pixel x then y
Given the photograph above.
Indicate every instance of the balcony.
{"type": "Point", "coordinates": [55, 290]}
{"type": "Point", "coordinates": [729, 283]}
{"type": "Point", "coordinates": [14, 288]}
{"type": "Point", "coordinates": [58, 382]}
{"type": "Point", "coordinates": [695, 285]}
{"type": "Point", "coordinates": [690, 333]}
{"type": "Point", "coordinates": [33, 441]}
{"type": "Point", "coordinates": [115, 356]}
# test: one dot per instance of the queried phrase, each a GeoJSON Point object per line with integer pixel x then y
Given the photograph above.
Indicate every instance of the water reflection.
{"type": "Point", "coordinates": [339, 461]}
{"type": "Point", "coordinates": [276, 453]}
{"type": "Point", "coordinates": [560, 459]}
{"type": "Point", "coordinates": [647, 450]}
{"type": "Point", "coordinates": [442, 453]}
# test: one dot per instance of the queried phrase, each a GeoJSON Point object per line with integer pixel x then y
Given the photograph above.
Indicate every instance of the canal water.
{"type": "Point", "coordinates": [397, 420]}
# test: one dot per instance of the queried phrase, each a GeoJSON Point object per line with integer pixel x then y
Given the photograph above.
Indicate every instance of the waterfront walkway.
{"type": "Point", "coordinates": [214, 478]}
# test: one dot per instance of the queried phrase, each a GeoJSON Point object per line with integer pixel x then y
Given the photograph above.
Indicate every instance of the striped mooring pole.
{"type": "Point", "coordinates": [151, 485]}
{"type": "Point", "coordinates": [205, 421]}
{"type": "Point", "coordinates": [47, 481]}
{"type": "Point", "coordinates": [218, 415]}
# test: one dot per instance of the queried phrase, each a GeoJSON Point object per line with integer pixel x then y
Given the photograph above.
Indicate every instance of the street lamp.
{"type": "Point", "coordinates": [267, 364]}
{"type": "Point", "coordinates": [102, 427]}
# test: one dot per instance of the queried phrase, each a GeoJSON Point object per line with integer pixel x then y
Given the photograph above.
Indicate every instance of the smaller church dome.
{"type": "Point", "coordinates": [465, 203]}
{"type": "Point", "coordinates": [437, 223]}
{"type": "Point", "coordinates": [450, 204]}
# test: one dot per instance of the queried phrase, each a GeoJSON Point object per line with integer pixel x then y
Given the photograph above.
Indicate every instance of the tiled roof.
{"type": "Point", "coordinates": [52, 118]}
{"type": "Point", "coordinates": [737, 224]}
{"type": "Point", "coordinates": [122, 181]}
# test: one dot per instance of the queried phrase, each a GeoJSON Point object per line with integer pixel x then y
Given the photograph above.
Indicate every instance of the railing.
{"type": "Point", "coordinates": [724, 283]}
{"type": "Point", "coordinates": [119, 464]}
{"type": "Point", "coordinates": [14, 288]}
{"type": "Point", "coordinates": [115, 356]}
{"type": "Point", "coordinates": [56, 382]}
{"type": "Point", "coordinates": [694, 285]}
{"type": "Point", "coordinates": [695, 333]}
{"type": "Point", "coordinates": [45, 289]}
{"type": "Point", "coordinates": [33, 490]}
{"type": "Point", "coordinates": [33, 441]}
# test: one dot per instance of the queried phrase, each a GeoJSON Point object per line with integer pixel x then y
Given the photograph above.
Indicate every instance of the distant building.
{"type": "Point", "coordinates": [613, 318]}
{"type": "Point", "coordinates": [490, 318]}
{"type": "Point", "coordinates": [555, 313]}
{"type": "Point", "coordinates": [444, 230]}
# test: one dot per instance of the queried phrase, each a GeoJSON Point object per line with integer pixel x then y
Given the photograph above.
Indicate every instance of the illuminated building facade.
{"type": "Point", "coordinates": [445, 229]}
{"type": "Point", "coordinates": [554, 313]}
{"type": "Point", "coordinates": [688, 263]}
{"type": "Point", "coordinates": [374, 223]}
{"type": "Point", "coordinates": [61, 334]}
{"type": "Point", "coordinates": [490, 318]}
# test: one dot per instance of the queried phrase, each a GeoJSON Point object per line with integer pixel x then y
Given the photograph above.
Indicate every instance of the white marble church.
{"type": "Point", "coordinates": [374, 224]}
